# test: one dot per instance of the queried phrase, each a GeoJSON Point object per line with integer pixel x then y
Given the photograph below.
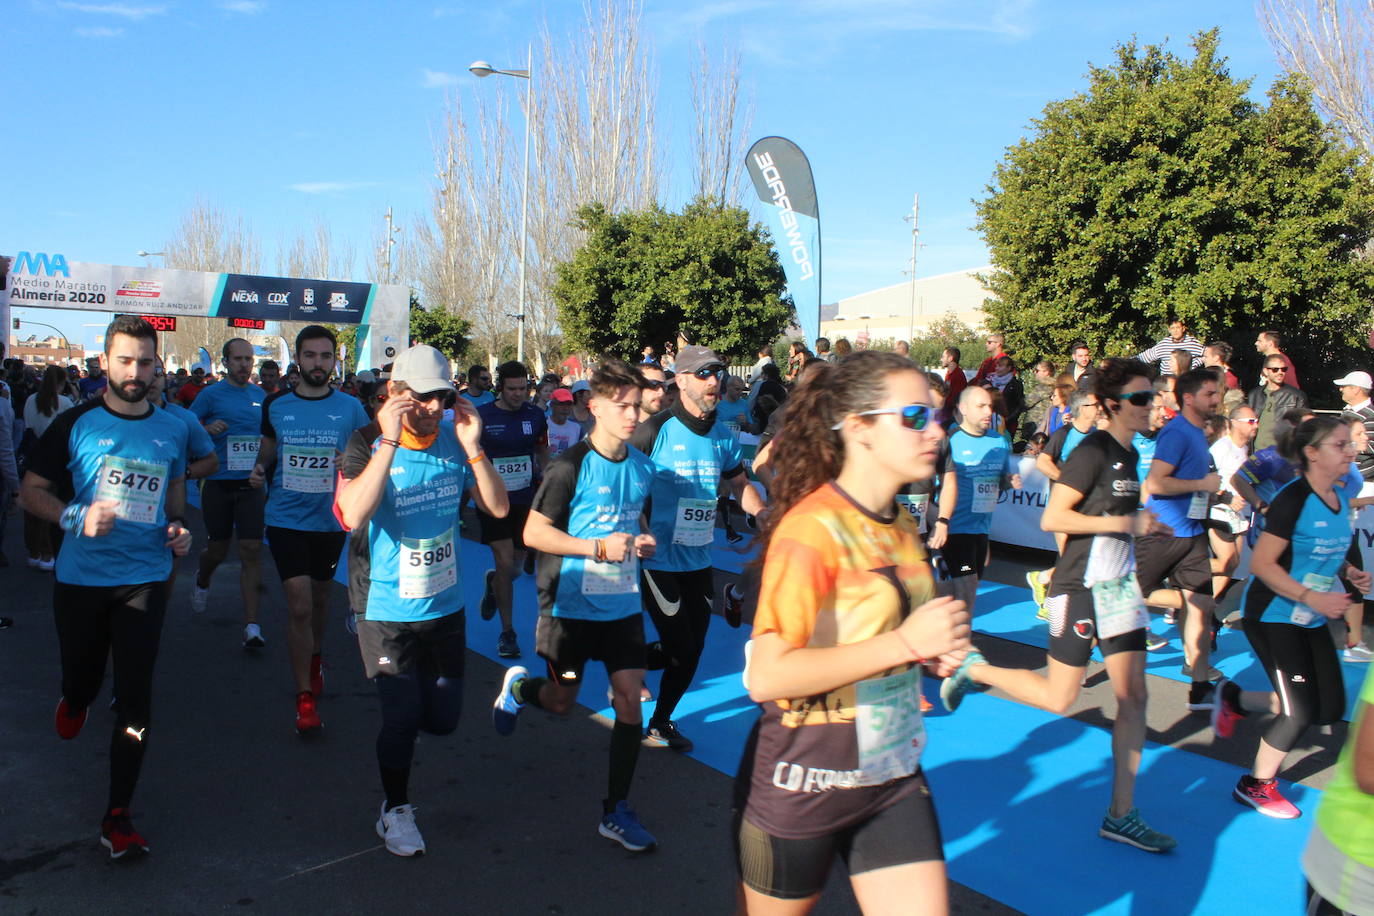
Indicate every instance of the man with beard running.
{"type": "Point", "coordinates": [304, 430]}
{"type": "Point", "coordinates": [111, 473]}
{"type": "Point", "coordinates": [694, 456]}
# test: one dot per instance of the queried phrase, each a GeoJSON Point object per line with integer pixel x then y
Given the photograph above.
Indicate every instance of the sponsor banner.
{"type": "Point", "coordinates": [782, 177]}
{"type": "Point", "coordinates": [1016, 520]}
{"type": "Point", "coordinates": [291, 299]}
{"type": "Point", "coordinates": [51, 281]}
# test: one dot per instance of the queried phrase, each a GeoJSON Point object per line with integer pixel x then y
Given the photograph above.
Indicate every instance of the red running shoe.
{"type": "Point", "coordinates": [307, 718]}
{"type": "Point", "coordinates": [1263, 795]}
{"type": "Point", "coordinates": [316, 676]}
{"type": "Point", "coordinates": [68, 721]}
{"type": "Point", "coordinates": [117, 834]}
{"type": "Point", "coordinates": [1226, 709]}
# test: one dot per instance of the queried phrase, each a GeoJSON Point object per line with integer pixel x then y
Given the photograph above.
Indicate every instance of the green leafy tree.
{"type": "Point", "coordinates": [442, 329]}
{"type": "Point", "coordinates": [1162, 191]}
{"type": "Point", "coordinates": [642, 276]}
{"type": "Point", "coordinates": [929, 344]}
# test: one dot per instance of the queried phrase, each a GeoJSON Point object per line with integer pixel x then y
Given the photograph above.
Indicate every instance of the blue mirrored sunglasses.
{"type": "Point", "coordinates": [912, 416]}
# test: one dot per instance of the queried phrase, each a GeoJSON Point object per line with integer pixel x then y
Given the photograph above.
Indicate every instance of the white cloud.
{"type": "Point", "coordinates": [438, 79]}
{"type": "Point", "coordinates": [329, 187]}
{"type": "Point", "coordinates": [100, 32]}
{"type": "Point", "coordinates": [114, 9]}
{"type": "Point", "coordinates": [247, 7]}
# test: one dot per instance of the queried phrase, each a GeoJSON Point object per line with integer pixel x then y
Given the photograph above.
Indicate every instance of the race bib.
{"type": "Point", "coordinates": [1198, 506]}
{"type": "Point", "coordinates": [307, 470]}
{"type": "Point", "coordinates": [695, 525]}
{"type": "Point", "coordinates": [135, 485]}
{"type": "Point", "coordinates": [611, 578]}
{"type": "Point", "coordinates": [889, 727]}
{"type": "Point", "coordinates": [427, 566]}
{"type": "Point", "coordinates": [242, 452]}
{"type": "Point", "coordinates": [516, 472]}
{"type": "Point", "coordinates": [1120, 607]}
{"type": "Point", "coordinates": [1233, 520]}
{"type": "Point", "coordinates": [916, 505]}
{"type": "Point", "coordinates": [985, 491]}
{"type": "Point", "coordinates": [1303, 615]}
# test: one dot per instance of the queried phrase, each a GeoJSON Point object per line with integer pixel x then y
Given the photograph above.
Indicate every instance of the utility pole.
{"type": "Point", "coordinates": [915, 239]}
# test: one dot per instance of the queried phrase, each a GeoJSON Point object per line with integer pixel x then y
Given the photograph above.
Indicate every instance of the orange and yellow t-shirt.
{"type": "Point", "coordinates": [834, 574]}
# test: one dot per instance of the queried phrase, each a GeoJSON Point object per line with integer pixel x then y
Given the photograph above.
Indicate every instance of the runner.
{"type": "Point", "coordinates": [564, 432]}
{"type": "Point", "coordinates": [111, 473]}
{"type": "Point", "coordinates": [231, 412]}
{"type": "Point", "coordinates": [846, 614]}
{"type": "Point", "coordinates": [1094, 596]}
{"type": "Point", "coordinates": [404, 475]}
{"type": "Point", "coordinates": [1227, 523]}
{"type": "Point", "coordinates": [1182, 485]}
{"type": "Point", "coordinates": [585, 523]}
{"type": "Point", "coordinates": [479, 386]}
{"type": "Point", "coordinates": [304, 430]}
{"type": "Point", "coordinates": [515, 436]}
{"type": "Point", "coordinates": [655, 384]}
{"type": "Point", "coordinates": [976, 467]}
{"type": "Point", "coordinates": [202, 461]}
{"type": "Point", "coordinates": [1298, 564]}
{"type": "Point", "coordinates": [694, 457]}
{"type": "Point", "coordinates": [733, 413]}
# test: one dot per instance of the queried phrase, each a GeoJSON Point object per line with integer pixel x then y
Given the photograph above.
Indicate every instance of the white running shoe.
{"type": "Point", "coordinates": [252, 637]}
{"type": "Point", "coordinates": [397, 827]}
{"type": "Point", "coordinates": [200, 598]}
{"type": "Point", "coordinates": [1357, 653]}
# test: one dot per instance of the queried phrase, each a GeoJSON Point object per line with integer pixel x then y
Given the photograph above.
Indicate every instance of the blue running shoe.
{"type": "Point", "coordinates": [959, 683]}
{"type": "Point", "coordinates": [1132, 830]}
{"type": "Point", "coordinates": [623, 826]}
{"type": "Point", "coordinates": [506, 709]}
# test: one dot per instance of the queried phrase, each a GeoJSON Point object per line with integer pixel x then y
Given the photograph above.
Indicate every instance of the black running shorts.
{"type": "Point", "coordinates": [232, 505]}
{"type": "Point", "coordinates": [305, 553]}
{"type": "Point", "coordinates": [965, 554]}
{"type": "Point", "coordinates": [568, 644]}
{"type": "Point", "coordinates": [510, 528]}
{"type": "Point", "coordinates": [1073, 630]}
{"type": "Point", "coordinates": [1185, 562]}
{"type": "Point", "coordinates": [438, 646]}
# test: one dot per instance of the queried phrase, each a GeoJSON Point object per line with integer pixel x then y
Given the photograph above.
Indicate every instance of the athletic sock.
{"type": "Point", "coordinates": [625, 740]}
{"type": "Point", "coordinates": [396, 785]}
{"type": "Point", "coordinates": [526, 690]}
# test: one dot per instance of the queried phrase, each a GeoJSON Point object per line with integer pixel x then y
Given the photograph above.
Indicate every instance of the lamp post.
{"type": "Point", "coordinates": [481, 68]}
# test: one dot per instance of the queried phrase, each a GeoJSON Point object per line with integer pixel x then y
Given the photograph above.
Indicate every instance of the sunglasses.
{"type": "Point", "coordinates": [912, 416]}
{"type": "Point", "coordinates": [1251, 420]}
{"type": "Point", "coordinates": [444, 395]}
{"type": "Point", "coordinates": [1279, 369]}
{"type": "Point", "coordinates": [653, 384]}
{"type": "Point", "coordinates": [1137, 398]}
{"type": "Point", "coordinates": [706, 372]}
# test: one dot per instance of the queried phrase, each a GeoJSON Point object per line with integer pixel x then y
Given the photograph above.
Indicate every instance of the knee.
{"type": "Point", "coordinates": [1131, 701]}
{"type": "Point", "coordinates": [249, 549]}
{"type": "Point", "coordinates": [1059, 703]}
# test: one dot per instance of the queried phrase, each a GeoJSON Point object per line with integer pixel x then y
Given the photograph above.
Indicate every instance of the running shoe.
{"type": "Point", "coordinates": [397, 828]}
{"type": "Point", "coordinates": [1263, 795]}
{"type": "Point", "coordinates": [117, 834]}
{"type": "Point", "coordinates": [200, 598]}
{"type": "Point", "coordinates": [733, 606]}
{"type": "Point", "coordinates": [46, 565]}
{"type": "Point", "coordinates": [1154, 642]}
{"type": "Point", "coordinates": [733, 536]}
{"type": "Point", "coordinates": [665, 734]}
{"type": "Point", "coordinates": [1132, 830]}
{"type": "Point", "coordinates": [506, 709]}
{"type": "Point", "coordinates": [623, 826]}
{"type": "Point", "coordinates": [1357, 653]}
{"type": "Point", "coordinates": [1226, 709]}
{"type": "Point", "coordinates": [307, 716]}
{"type": "Point", "coordinates": [507, 646]}
{"type": "Point", "coordinates": [1213, 674]}
{"type": "Point", "coordinates": [1170, 616]}
{"type": "Point", "coordinates": [68, 721]}
{"type": "Point", "coordinates": [316, 676]}
{"type": "Point", "coordinates": [958, 684]}
{"type": "Point", "coordinates": [32, 562]}
{"type": "Point", "coordinates": [252, 637]}
{"type": "Point", "coordinates": [6, 623]}
{"type": "Point", "coordinates": [1038, 590]}
{"type": "Point", "coordinates": [1201, 696]}
{"type": "Point", "coordinates": [488, 606]}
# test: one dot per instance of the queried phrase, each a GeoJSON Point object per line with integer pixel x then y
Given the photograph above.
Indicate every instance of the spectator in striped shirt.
{"type": "Point", "coordinates": [1178, 339]}
{"type": "Point", "coordinates": [1355, 388]}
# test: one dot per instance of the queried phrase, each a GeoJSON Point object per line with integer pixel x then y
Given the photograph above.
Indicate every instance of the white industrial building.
{"type": "Point", "coordinates": [902, 311]}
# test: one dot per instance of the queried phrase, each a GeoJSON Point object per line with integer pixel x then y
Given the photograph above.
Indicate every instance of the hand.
{"type": "Point", "coordinates": [938, 627]}
{"type": "Point", "coordinates": [1328, 604]}
{"type": "Point", "coordinates": [937, 536]}
{"type": "Point", "coordinates": [1016, 481]}
{"type": "Point", "coordinates": [179, 539]}
{"type": "Point", "coordinates": [1361, 579]}
{"type": "Point", "coordinates": [645, 545]}
{"type": "Point", "coordinates": [617, 546]}
{"type": "Point", "coordinates": [947, 664]}
{"type": "Point", "coordinates": [1209, 484]}
{"type": "Point", "coordinates": [390, 414]}
{"type": "Point", "coordinates": [257, 477]}
{"type": "Point", "coordinates": [1237, 504]}
{"type": "Point", "coordinates": [100, 518]}
{"type": "Point", "coordinates": [215, 427]}
{"type": "Point", "coordinates": [1145, 523]}
{"type": "Point", "coordinates": [467, 426]}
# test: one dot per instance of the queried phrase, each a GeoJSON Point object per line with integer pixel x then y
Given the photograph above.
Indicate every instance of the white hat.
{"type": "Point", "coordinates": [423, 369]}
{"type": "Point", "coordinates": [1358, 379]}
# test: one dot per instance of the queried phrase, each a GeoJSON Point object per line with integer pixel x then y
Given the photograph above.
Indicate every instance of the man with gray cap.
{"type": "Point", "coordinates": [693, 457]}
{"type": "Point", "coordinates": [405, 476]}
{"type": "Point", "coordinates": [1355, 388]}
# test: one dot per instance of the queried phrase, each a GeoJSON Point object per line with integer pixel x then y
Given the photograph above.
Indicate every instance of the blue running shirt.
{"type": "Point", "coordinates": [588, 495]}
{"type": "Point", "coordinates": [480, 400]}
{"type": "Point", "coordinates": [1184, 446]}
{"type": "Point", "coordinates": [690, 456]}
{"type": "Point", "coordinates": [199, 445]}
{"type": "Point", "coordinates": [241, 408]}
{"type": "Point", "coordinates": [404, 563]}
{"type": "Point", "coordinates": [732, 415]}
{"type": "Point", "coordinates": [981, 464]}
{"type": "Point", "coordinates": [310, 433]}
{"type": "Point", "coordinates": [1318, 538]}
{"type": "Point", "coordinates": [1145, 448]}
{"type": "Point", "coordinates": [89, 452]}
{"type": "Point", "coordinates": [510, 438]}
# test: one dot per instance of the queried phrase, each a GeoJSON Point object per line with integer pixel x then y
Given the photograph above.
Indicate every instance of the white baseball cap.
{"type": "Point", "coordinates": [1358, 379]}
{"type": "Point", "coordinates": [423, 369]}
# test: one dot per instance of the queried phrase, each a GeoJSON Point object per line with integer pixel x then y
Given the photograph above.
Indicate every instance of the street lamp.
{"type": "Point", "coordinates": [151, 254]}
{"type": "Point", "coordinates": [481, 68]}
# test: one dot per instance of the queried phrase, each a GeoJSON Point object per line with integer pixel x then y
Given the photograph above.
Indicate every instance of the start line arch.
{"type": "Point", "coordinates": [247, 301]}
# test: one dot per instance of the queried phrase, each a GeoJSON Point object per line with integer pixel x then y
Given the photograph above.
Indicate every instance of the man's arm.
{"type": "Point", "coordinates": [1163, 484]}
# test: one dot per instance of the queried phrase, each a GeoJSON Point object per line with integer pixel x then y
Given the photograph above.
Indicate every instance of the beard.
{"type": "Point", "coordinates": [130, 392]}
{"type": "Point", "coordinates": [316, 377]}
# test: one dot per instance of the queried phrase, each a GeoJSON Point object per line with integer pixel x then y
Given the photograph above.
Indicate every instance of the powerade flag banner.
{"type": "Point", "coordinates": [203, 362]}
{"type": "Point", "coordinates": [782, 177]}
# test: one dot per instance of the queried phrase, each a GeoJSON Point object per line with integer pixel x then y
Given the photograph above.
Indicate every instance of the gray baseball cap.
{"type": "Point", "coordinates": [423, 369]}
{"type": "Point", "coordinates": [692, 358]}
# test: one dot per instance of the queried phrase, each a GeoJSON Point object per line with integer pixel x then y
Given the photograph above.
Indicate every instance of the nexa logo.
{"type": "Point", "coordinates": [40, 263]}
{"type": "Point", "coordinates": [770, 174]}
{"type": "Point", "coordinates": [244, 295]}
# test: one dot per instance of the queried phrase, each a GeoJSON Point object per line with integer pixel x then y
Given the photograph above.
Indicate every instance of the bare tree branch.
{"type": "Point", "coordinates": [721, 126]}
{"type": "Point", "coordinates": [207, 239]}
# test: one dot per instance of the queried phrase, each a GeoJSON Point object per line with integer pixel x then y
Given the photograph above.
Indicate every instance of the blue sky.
{"type": "Point", "coordinates": [123, 113]}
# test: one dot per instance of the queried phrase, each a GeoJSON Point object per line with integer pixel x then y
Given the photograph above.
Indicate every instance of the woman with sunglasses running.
{"type": "Point", "coordinates": [847, 615]}
{"type": "Point", "coordinates": [1299, 563]}
{"type": "Point", "coordinates": [1093, 596]}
